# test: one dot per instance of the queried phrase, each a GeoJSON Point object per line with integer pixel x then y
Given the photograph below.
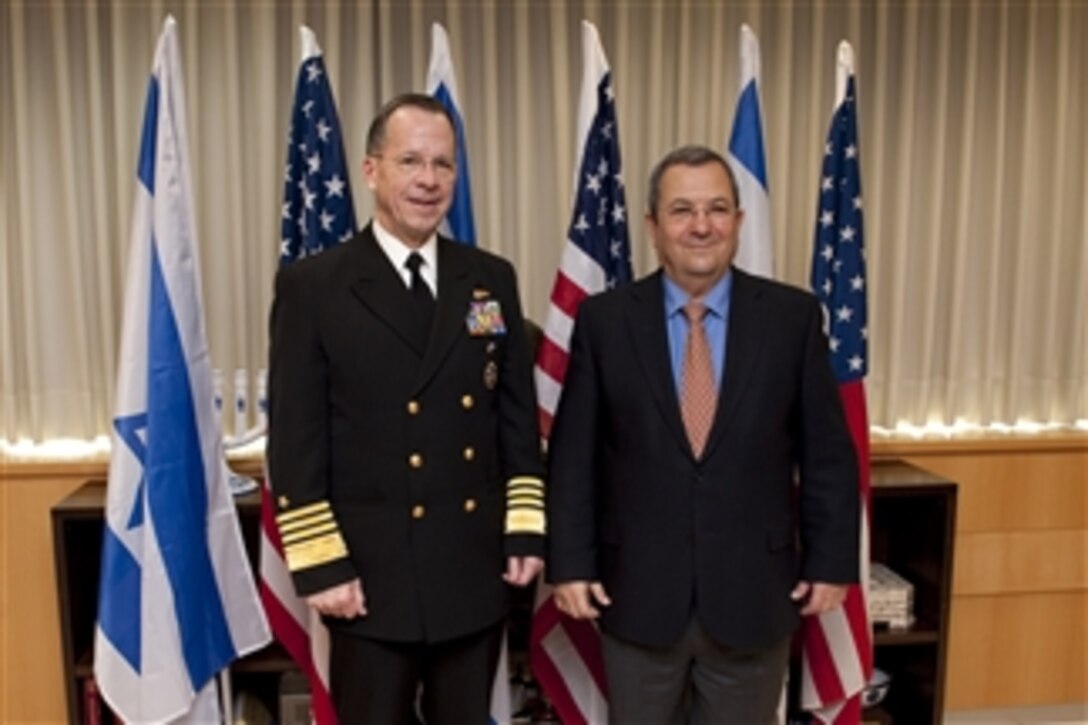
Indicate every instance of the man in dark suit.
{"type": "Point", "coordinates": [403, 445]}
{"type": "Point", "coordinates": [693, 398]}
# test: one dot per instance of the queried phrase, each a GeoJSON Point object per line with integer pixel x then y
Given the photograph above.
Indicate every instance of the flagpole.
{"type": "Point", "coordinates": [844, 68]}
{"type": "Point", "coordinates": [226, 695]}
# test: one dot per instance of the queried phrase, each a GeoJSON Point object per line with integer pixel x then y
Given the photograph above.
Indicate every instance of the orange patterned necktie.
{"type": "Point", "coordinates": [699, 392]}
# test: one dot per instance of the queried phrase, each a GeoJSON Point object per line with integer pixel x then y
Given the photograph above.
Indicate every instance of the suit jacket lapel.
{"type": "Point", "coordinates": [454, 292]}
{"type": "Point", "coordinates": [742, 353]}
{"type": "Point", "coordinates": [646, 319]}
{"type": "Point", "coordinates": [382, 290]}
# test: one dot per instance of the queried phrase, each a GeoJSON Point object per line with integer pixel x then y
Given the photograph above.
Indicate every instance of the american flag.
{"type": "Point", "coordinates": [317, 204]}
{"type": "Point", "coordinates": [837, 646]}
{"type": "Point", "coordinates": [597, 254]}
{"type": "Point", "coordinates": [317, 213]}
{"type": "Point", "coordinates": [565, 653]}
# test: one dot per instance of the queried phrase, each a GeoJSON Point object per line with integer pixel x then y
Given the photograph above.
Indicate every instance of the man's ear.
{"type": "Point", "coordinates": [370, 167]}
{"type": "Point", "coordinates": [651, 226]}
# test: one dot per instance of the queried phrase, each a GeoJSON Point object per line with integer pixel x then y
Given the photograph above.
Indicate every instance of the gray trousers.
{"type": "Point", "coordinates": [695, 680]}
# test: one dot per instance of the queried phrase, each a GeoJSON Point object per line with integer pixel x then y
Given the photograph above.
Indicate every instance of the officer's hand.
{"type": "Point", "coordinates": [576, 599]}
{"type": "Point", "coordinates": [520, 570]}
{"type": "Point", "coordinates": [818, 597]}
{"type": "Point", "coordinates": [345, 601]}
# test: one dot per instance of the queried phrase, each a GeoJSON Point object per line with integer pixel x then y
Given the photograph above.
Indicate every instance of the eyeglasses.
{"type": "Point", "coordinates": [413, 164]}
{"type": "Point", "coordinates": [690, 212]}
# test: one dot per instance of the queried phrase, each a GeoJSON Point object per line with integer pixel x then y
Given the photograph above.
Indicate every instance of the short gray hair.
{"type": "Point", "coordinates": [375, 136]}
{"type": "Point", "coordinates": [687, 156]}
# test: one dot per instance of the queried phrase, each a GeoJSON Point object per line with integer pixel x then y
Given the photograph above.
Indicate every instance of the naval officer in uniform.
{"type": "Point", "coordinates": [403, 445]}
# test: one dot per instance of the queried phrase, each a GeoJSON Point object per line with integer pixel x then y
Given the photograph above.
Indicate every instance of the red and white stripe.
{"type": "Point", "coordinates": [838, 645]}
{"type": "Point", "coordinates": [295, 625]}
{"type": "Point", "coordinates": [578, 277]}
{"type": "Point", "coordinates": [567, 661]}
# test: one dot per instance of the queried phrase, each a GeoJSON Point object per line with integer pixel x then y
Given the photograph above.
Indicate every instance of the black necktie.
{"type": "Point", "coordinates": [421, 293]}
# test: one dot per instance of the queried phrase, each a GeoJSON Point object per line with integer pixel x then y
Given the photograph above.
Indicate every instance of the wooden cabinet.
{"type": "Point", "coordinates": [77, 548]}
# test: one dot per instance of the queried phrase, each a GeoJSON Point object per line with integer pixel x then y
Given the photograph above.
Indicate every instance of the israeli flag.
{"type": "Point", "coordinates": [747, 155]}
{"type": "Point", "coordinates": [177, 601]}
{"type": "Point", "coordinates": [442, 84]}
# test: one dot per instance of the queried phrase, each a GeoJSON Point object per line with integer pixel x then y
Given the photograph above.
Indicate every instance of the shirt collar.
{"type": "Point", "coordinates": [397, 251]}
{"type": "Point", "coordinates": [716, 300]}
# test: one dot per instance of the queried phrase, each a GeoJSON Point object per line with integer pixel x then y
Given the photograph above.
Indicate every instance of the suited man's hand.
{"type": "Point", "coordinates": [818, 597]}
{"type": "Point", "coordinates": [576, 599]}
{"type": "Point", "coordinates": [345, 601]}
{"type": "Point", "coordinates": [521, 570]}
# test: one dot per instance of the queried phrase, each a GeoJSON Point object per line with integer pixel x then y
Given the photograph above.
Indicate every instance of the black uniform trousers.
{"type": "Point", "coordinates": [375, 681]}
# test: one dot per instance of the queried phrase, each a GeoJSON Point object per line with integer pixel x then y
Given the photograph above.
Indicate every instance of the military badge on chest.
{"type": "Point", "coordinates": [491, 375]}
{"type": "Point", "coordinates": [484, 319]}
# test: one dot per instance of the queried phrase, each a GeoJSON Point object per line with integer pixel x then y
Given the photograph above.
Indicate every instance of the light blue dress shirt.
{"type": "Point", "coordinates": [715, 323]}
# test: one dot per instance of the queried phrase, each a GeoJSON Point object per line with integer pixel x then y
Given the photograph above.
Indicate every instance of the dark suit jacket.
{"type": "Point", "coordinates": [667, 534]}
{"type": "Point", "coordinates": [391, 457]}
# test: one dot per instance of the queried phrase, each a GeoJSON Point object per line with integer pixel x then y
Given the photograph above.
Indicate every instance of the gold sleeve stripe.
{"type": "Point", "coordinates": [522, 491]}
{"type": "Point", "coordinates": [524, 500]}
{"type": "Point", "coordinates": [315, 552]}
{"type": "Point", "coordinates": [522, 521]}
{"type": "Point", "coordinates": [304, 523]}
{"type": "Point", "coordinates": [309, 510]}
{"type": "Point", "coordinates": [519, 501]}
{"type": "Point", "coordinates": [528, 488]}
{"type": "Point", "coordinates": [527, 480]}
{"type": "Point", "coordinates": [297, 536]}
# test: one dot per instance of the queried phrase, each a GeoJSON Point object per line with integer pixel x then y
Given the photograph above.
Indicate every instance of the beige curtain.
{"type": "Point", "coordinates": [972, 121]}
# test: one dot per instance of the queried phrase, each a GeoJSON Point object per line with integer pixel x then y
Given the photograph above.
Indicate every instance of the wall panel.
{"type": "Point", "coordinates": [1013, 650]}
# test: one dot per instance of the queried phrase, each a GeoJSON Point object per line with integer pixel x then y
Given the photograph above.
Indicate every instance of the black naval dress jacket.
{"type": "Point", "coordinates": [411, 463]}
